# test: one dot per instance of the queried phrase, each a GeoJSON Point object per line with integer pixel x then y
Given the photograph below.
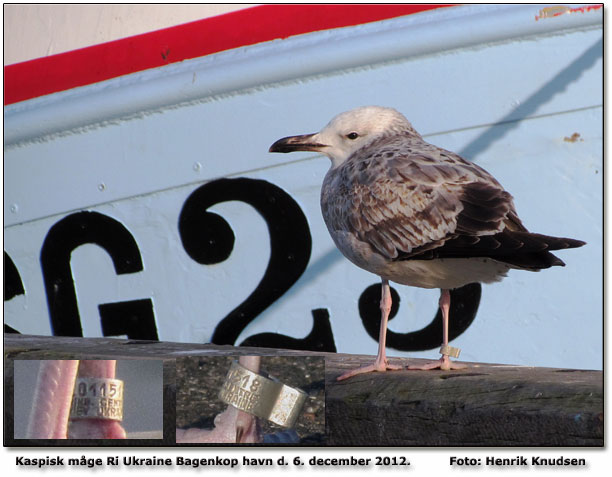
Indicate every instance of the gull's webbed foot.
{"type": "Point", "coordinates": [444, 364]}
{"type": "Point", "coordinates": [378, 366]}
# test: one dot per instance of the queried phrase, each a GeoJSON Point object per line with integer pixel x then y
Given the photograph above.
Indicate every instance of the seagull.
{"type": "Point", "coordinates": [416, 214]}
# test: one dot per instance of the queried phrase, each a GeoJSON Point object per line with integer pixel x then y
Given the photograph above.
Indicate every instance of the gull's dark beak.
{"type": "Point", "coordinates": [297, 143]}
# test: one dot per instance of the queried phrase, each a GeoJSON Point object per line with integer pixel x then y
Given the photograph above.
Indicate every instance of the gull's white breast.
{"type": "Point", "coordinates": [445, 273]}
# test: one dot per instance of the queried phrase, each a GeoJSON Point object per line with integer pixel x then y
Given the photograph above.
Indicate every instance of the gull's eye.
{"type": "Point", "coordinates": [352, 135]}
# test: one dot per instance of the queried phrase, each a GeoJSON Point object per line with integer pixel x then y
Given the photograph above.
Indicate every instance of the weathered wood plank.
{"type": "Point", "coordinates": [18, 346]}
{"type": "Point", "coordinates": [484, 405]}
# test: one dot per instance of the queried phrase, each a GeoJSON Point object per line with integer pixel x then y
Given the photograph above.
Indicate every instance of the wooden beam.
{"type": "Point", "coordinates": [484, 405]}
{"type": "Point", "coordinates": [18, 346]}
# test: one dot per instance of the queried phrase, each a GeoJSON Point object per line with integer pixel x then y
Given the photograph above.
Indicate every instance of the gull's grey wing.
{"type": "Point", "coordinates": [405, 198]}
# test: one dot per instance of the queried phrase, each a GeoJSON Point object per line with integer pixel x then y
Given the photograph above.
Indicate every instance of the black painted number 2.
{"type": "Point", "coordinates": [208, 239]}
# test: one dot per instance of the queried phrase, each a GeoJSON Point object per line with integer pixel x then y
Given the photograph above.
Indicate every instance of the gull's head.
{"type": "Point", "coordinates": [348, 132]}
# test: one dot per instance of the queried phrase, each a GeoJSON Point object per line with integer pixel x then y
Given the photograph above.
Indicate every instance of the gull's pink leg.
{"type": "Point", "coordinates": [52, 399]}
{"type": "Point", "coordinates": [96, 428]}
{"type": "Point", "coordinates": [444, 363]}
{"type": "Point", "coordinates": [247, 427]}
{"type": "Point", "coordinates": [232, 425]}
{"type": "Point", "coordinates": [381, 363]}
{"type": "Point", "coordinates": [223, 432]}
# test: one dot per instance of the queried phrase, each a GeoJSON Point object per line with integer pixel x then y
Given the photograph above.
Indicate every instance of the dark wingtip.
{"type": "Point", "coordinates": [571, 243]}
{"type": "Point", "coordinates": [557, 262]}
{"type": "Point", "coordinates": [565, 243]}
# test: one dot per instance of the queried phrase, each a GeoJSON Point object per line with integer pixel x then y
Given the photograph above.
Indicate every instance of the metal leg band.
{"type": "Point", "coordinates": [97, 398]}
{"type": "Point", "coordinates": [261, 396]}
{"type": "Point", "coordinates": [450, 351]}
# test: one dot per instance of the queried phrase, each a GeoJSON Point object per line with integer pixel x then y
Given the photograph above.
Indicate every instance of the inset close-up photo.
{"type": "Point", "coordinates": [250, 400]}
{"type": "Point", "coordinates": [88, 399]}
